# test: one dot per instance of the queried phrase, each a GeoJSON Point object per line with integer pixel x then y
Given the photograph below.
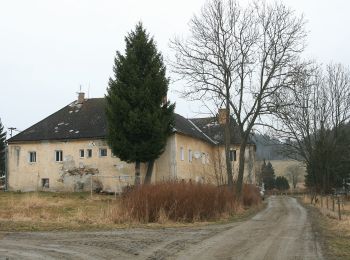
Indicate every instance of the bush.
{"type": "Point", "coordinates": [178, 202]}
{"type": "Point", "coordinates": [187, 202]}
{"type": "Point", "coordinates": [281, 183]}
{"type": "Point", "coordinates": [251, 195]}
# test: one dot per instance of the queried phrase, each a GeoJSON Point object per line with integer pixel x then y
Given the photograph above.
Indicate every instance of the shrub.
{"type": "Point", "coordinates": [178, 201]}
{"type": "Point", "coordinates": [251, 195]}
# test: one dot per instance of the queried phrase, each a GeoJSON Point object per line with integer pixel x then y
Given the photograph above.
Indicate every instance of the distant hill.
{"type": "Point", "coordinates": [268, 148]}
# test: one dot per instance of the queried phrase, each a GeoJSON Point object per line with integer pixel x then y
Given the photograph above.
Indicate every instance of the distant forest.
{"type": "Point", "coordinates": [268, 148]}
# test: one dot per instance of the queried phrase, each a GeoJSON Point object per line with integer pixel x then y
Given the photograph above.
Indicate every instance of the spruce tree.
{"type": "Point", "coordinates": [138, 116]}
{"type": "Point", "coordinates": [268, 175]}
{"type": "Point", "coordinates": [2, 149]}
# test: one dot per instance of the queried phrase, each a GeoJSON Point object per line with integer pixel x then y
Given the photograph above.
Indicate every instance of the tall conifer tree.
{"type": "Point", "coordinates": [2, 149]}
{"type": "Point", "coordinates": [138, 115]}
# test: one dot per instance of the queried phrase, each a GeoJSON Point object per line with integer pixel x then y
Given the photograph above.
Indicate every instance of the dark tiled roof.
{"type": "Point", "coordinates": [187, 127]}
{"type": "Point", "coordinates": [75, 121]}
{"type": "Point", "coordinates": [211, 127]}
{"type": "Point", "coordinates": [88, 120]}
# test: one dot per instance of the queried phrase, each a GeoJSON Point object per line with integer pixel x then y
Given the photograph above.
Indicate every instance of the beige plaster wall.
{"type": "Point", "coordinates": [207, 165]}
{"type": "Point", "coordinates": [27, 176]}
{"type": "Point", "coordinates": [201, 167]}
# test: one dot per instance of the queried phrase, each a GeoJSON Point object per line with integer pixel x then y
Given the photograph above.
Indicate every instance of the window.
{"type": "Point", "coordinates": [190, 155]}
{"type": "Point", "coordinates": [89, 153]}
{"type": "Point", "coordinates": [45, 183]}
{"type": "Point", "coordinates": [182, 154]}
{"type": "Point", "coordinates": [103, 152]}
{"type": "Point", "coordinates": [32, 157]}
{"type": "Point", "coordinates": [59, 156]}
{"type": "Point", "coordinates": [233, 155]}
{"type": "Point", "coordinates": [81, 153]}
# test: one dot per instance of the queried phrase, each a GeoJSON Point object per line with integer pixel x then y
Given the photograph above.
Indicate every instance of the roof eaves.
{"type": "Point", "coordinates": [197, 128]}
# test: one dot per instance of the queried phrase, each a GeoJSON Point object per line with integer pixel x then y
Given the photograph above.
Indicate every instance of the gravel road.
{"type": "Point", "coordinates": [281, 231]}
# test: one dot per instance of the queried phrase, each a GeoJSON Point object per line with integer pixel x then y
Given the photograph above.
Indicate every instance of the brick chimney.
{"type": "Point", "coordinates": [222, 116]}
{"type": "Point", "coordinates": [81, 97]}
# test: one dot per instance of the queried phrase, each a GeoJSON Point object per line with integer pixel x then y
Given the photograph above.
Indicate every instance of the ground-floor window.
{"type": "Point", "coordinates": [45, 183]}
{"type": "Point", "coordinates": [81, 153]}
{"type": "Point", "coordinates": [103, 152]}
{"type": "Point", "coordinates": [89, 153]}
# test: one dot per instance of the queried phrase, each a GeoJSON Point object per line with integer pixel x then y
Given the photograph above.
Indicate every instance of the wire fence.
{"type": "Point", "coordinates": [334, 206]}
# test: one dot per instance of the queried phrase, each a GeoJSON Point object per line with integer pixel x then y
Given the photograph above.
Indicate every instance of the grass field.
{"type": "Point", "coordinates": [335, 233]}
{"type": "Point", "coordinates": [40, 211]}
{"type": "Point", "coordinates": [55, 211]}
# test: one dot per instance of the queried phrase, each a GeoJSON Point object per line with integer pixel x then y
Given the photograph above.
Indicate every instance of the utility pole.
{"type": "Point", "coordinates": [11, 129]}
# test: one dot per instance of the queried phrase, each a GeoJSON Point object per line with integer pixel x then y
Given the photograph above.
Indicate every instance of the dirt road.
{"type": "Point", "coordinates": [281, 231]}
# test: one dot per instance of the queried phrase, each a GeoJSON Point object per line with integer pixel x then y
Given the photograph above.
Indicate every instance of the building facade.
{"type": "Point", "coordinates": [67, 151]}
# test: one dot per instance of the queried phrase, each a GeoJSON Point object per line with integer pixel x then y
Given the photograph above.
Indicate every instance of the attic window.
{"type": "Point", "coordinates": [58, 156]}
{"type": "Point", "coordinates": [32, 157]}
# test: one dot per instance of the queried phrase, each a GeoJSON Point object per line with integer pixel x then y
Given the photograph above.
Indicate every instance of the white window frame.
{"type": "Point", "coordinates": [100, 152]}
{"type": "Point", "coordinates": [190, 155]}
{"type": "Point", "coordinates": [182, 154]}
{"type": "Point", "coordinates": [82, 153]}
{"type": "Point", "coordinates": [59, 156]}
{"type": "Point", "coordinates": [30, 153]}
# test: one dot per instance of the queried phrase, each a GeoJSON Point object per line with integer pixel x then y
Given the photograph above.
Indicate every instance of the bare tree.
{"type": "Point", "coordinates": [321, 107]}
{"type": "Point", "coordinates": [294, 173]}
{"type": "Point", "coordinates": [241, 56]}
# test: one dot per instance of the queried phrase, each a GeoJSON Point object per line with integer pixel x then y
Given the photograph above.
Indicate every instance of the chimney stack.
{"type": "Point", "coordinates": [81, 97]}
{"type": "Point", "coordinates": [222, 116]}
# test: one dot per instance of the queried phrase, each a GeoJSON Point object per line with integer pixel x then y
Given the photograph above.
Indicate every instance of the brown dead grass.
{"type": "Point", "coordinates": [335, 233]}
{"type": "Point", "coordinates": [40, 211]}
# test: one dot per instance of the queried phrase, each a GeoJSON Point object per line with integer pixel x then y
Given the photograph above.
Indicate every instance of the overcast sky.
{"type": "Point", "coordinates": [48, 48]}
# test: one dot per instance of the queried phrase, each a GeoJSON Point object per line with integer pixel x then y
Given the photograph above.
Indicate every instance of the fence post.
{"type": "Point", "coordinates": [339, 208]}
{"type": "Point", "coordinates": [91, 186]}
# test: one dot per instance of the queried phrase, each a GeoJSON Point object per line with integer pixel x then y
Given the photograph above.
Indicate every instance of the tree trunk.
{"type": "Point", "coordinates": [149, 172]}
{"type": "Point", "coordinates": [227, 148]}
{"type": "Point", "coordinates": [137, 173]}
{"type": "Point", "coordinates": [241, 168]}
